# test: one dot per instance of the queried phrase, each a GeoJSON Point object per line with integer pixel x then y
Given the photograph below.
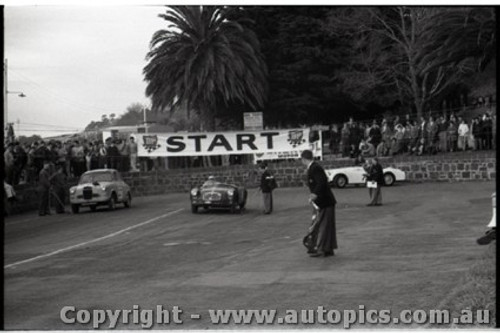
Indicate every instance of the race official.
{"type": "Point", "coordinates": [324, 234]}
{"type": "Point", "coordinates": [267, 185]}
{"type": "Point", "coordinates": [375, 174]}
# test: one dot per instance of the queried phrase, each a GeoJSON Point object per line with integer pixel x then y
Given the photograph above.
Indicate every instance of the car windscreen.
{"type": "Point", "coordinates": [210, 183]}
{"type": "Point", "coordinates": [96, 177]}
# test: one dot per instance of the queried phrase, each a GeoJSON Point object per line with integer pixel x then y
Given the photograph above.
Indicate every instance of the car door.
{"type": "Point", "coordinates": [356, 175]}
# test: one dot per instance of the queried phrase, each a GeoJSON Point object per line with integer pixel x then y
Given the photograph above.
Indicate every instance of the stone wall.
{"type": "Point", "coordinates": [466, 166]}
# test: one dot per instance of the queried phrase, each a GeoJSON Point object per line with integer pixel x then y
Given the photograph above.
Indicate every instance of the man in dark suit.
{"type": "Point", "coordinates": [324, 232]}
{"type": "Point", "coordinates": [267, 185]}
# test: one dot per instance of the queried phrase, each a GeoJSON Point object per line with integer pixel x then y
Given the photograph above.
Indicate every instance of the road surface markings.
{"type": "Point", "coordinates": [187, 243]}
{"type": "Point", "coordinates": [53, 253]}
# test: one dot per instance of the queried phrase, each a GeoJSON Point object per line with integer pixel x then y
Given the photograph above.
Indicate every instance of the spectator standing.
{"type": "Point", "coordinates": [407, 138]}
{"type": "Point", "coordinates": [94, 156]}
{"type": "Point", "coordinates": [476, 129]}
{"type": "Point", "coordinates": [68, 145]}
{"type": "Point", "coordinates": [463, 133]}
{"type": "Point", "coordinates": [20, 161]}
{"type": "Point", "coordinates": [112, 154]}
{"type": "Point", "coordinates": [487, 131]}
{"type": "Point", "coordinates": [41, 154]}
{"type": "Point", "coordinates": [470, 137]}
{"type": "Point", "coordinates": [413, 136]}
{"type": "Point", "coordinates": [432, 136]}
{"type": "Point", "coordinates": [452, 136]}
{"type": "Point", "coordinates": [354, 135]}
{"type": "Point", "coordinates": [344, 141]}
{"type": "Point", "coordinates": [78, 159]}
{"type": "Point", "coordinates": [8, 157]}
{"type": "Point", "coordinates": [133, 153]}
{"type": "Point", "coordinates": [62, 157]}
{"type": "Point", "coordinates": [103, 155]}
{"type": "Point", "coordinates": [125, 156]}
{"type": "Point", "coordinates": [397, 141]}
{"type": "Point", "coordinates": [88, 155]}
{"type": "Point", "coordinates": [443, 133]}
{"type": "Point", "coordinates": [59, 181]}
{"type": "Point", "coordinates": [387, 135]}
{"type": "Point", "coordinates": [375, 134]}
{"type": "Point", "coordinates": [44, 189]}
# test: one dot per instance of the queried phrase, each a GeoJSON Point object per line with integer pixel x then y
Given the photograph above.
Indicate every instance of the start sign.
{"type": "Point", "coordinates": [221, 143]}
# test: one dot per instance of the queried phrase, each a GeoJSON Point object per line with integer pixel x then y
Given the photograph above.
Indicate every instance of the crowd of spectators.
{"type": "Point", "coordinates": [383, 137]}
{"type": "Point", "coordinates": [428, 135]}
{"type": "Point", "coordinates": [23, 162]}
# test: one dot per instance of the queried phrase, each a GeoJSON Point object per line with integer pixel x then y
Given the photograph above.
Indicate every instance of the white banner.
{"type": "Point", "coordinates": [222, 143]}
{"type": "Point", "coordinates": [316, 147]}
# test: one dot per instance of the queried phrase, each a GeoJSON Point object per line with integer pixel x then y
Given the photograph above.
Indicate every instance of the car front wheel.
{"type": "Point", "coordinates": [194, 209]}
{"type": "Point", "coordinates": [389, 179]}
{"type": "Point", "coordinates": [340, 181]}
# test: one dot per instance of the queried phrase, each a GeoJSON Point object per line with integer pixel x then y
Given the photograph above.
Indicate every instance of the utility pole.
{"type": "Point", "coordinates": [145, 120]}
{"type": "Point", "coordinates": [5, 104]}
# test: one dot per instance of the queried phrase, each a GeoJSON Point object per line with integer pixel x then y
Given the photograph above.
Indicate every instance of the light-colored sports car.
{"type": "Point", "coordinates": [100, 187]}
{"type": "Point", "coordinates": [355, 175]}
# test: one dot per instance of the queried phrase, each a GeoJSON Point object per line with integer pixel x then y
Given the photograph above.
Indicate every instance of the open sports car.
{"type": "Point", "coordinates": [355, 175]}
{"type": "Point", "coordinates": [100, 187]}
{"type": "Point", "coordinates": [216, 195]}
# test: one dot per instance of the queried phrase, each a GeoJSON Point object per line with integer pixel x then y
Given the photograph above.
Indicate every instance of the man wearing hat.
{"type": "Point", "coordinates": [267, 185]}
{"type": "Point", "coordinates": [324, 234]}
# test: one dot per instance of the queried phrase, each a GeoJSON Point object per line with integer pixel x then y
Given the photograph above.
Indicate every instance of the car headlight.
{"type": "Point", "coordinates": [230, 193]}
{"type": "Point", "coordinates": [194, 192]}
{"type": "Point", "coordinates": [72, 190]}
{"type": "Point", "coordinates": [103, 188]}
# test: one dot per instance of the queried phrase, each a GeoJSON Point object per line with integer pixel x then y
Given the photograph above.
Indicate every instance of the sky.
{"type": "Point", "coordinates": [78, 62]}
{"type": "Point", "coordinates": [75, 63]}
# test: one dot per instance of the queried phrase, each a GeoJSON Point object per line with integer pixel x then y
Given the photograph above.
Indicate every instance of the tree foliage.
{"type": "Point", "coordinates": [411, 53]}
{"type": "Point", "coordinates": [302, 59]}
{"type": "Point", "coordinates": [207, 56]}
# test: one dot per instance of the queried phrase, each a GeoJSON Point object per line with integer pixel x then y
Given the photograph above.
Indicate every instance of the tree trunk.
{"type": "Point", "coordinates": [208, 125]}
{"type": "Point", "coordinates": [419, 106]}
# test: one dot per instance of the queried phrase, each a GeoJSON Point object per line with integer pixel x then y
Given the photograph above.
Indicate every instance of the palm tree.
{"type": "Point", "coordinates": [207, 56]}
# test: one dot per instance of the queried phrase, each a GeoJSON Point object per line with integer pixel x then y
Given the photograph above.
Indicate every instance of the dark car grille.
{"type": "Point", "coordinates": [212, 196]}
{"type": "Point", "coordinates": [87, 192]}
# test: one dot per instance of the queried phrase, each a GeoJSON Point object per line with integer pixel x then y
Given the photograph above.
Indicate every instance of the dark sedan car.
{"type": "Point", "coordinates": [216, 195]}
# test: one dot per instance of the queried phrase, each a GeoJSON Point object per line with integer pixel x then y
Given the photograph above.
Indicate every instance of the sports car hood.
{"type": "Point", "coordinates": [351, 168]}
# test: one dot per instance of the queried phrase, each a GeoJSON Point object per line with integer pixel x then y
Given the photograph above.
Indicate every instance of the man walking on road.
{"type": "Point", "coordinates": [324, 234]}
{"type": "Point", "coordinates": [267, 185]}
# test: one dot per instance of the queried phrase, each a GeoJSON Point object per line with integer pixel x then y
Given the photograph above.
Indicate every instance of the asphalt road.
{"type": "Point", "coordinates": [408, 254]}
